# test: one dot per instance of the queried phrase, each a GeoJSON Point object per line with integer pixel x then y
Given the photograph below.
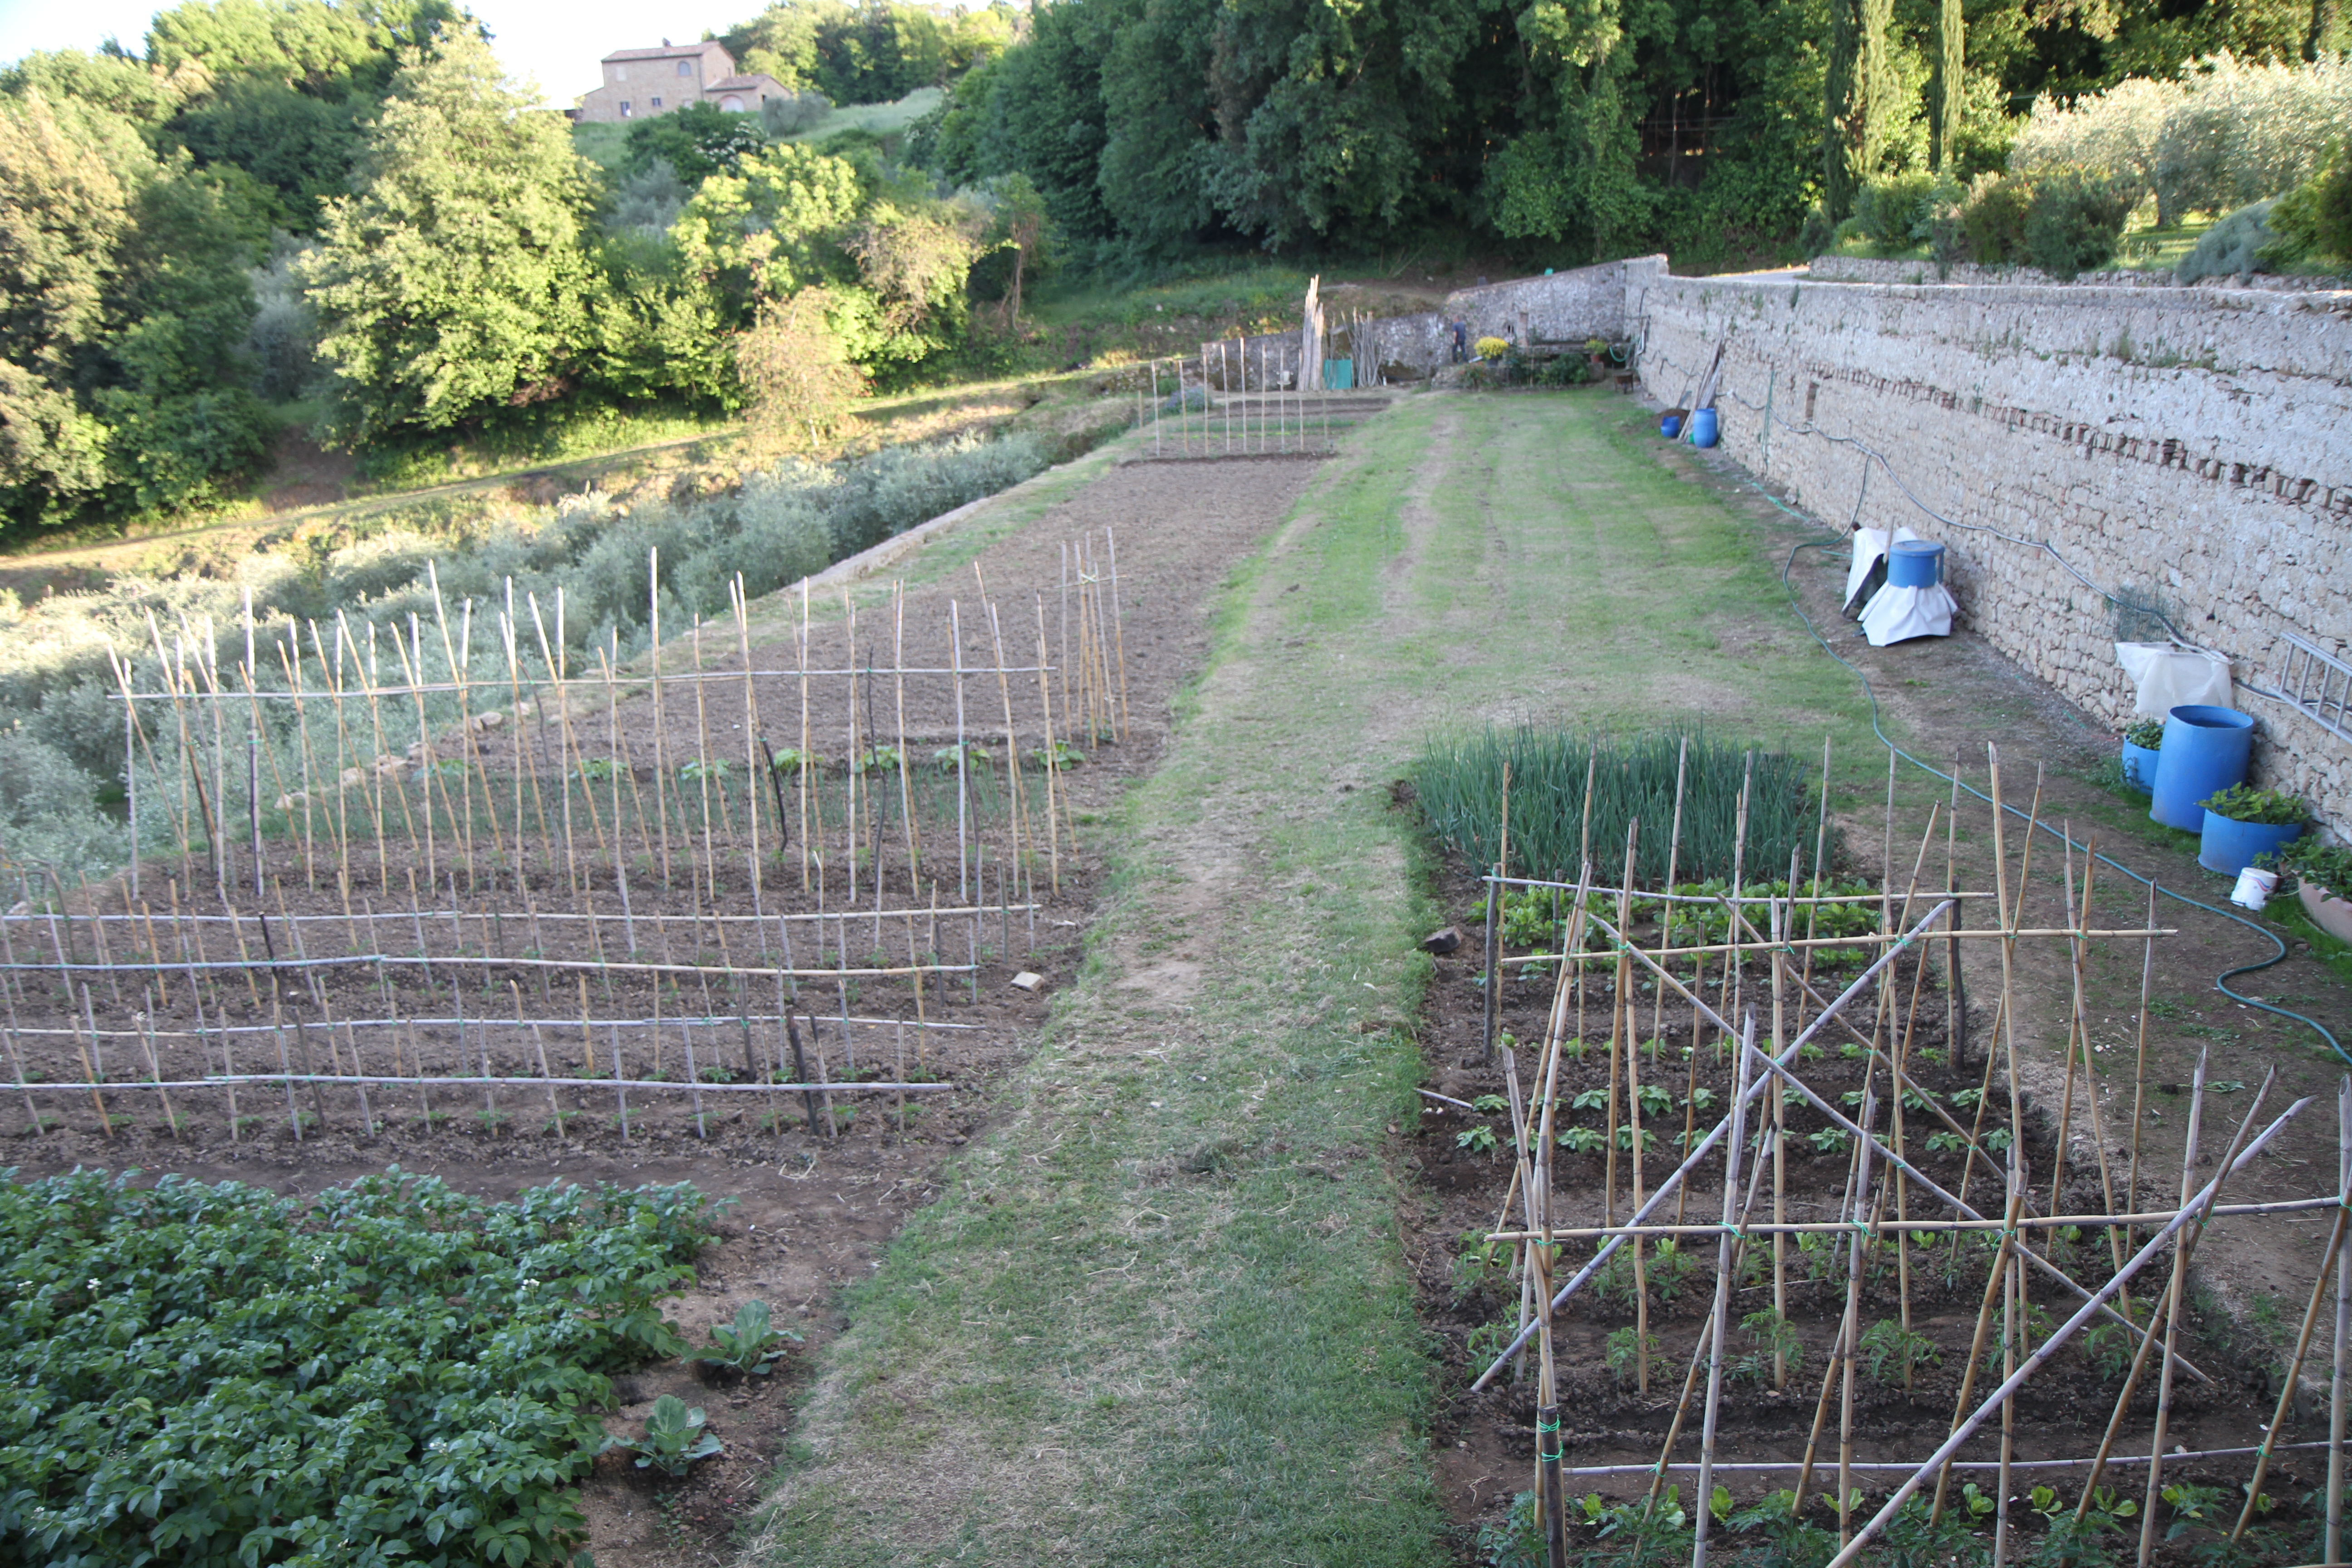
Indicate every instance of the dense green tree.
{"type": "Point", "coordinates": [773, 229]}
{"type": "Point", "coordinates": [123, 306]}
{"type": "Point", "coordinates": [453, 283]}
{"type": "Point", "coordinates": [297, 146]}
{"type": "Point", "coordinates": [62, 212]}
{"type": "Point", "coordinates": [874, 52]}
{"type": "Point", "coordinates": [700, 139]}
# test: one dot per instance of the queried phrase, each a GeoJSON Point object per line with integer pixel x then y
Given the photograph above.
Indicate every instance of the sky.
{"type": "Point", "coordinates": [557, 42]}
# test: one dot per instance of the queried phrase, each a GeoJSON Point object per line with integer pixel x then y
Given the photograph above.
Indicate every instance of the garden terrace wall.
{"type": "Point", "coordinates": [2191, 444]}
{"type": "Point", "coordinates": [1570, 307]}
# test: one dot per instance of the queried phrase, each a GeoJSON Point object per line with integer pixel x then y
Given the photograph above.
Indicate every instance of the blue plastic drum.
{"type": "Point", "coordinates": [1915, 563]}
{"type": "Point", "coordinates": [2205, 750]}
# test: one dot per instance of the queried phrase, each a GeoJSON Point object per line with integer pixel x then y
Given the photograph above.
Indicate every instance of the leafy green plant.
{"type": "Point", "coordinates": [1656, 1101]}
{"type": "Point", "coordinates": [674, 1438]}
{"type": "Point", "coordinates": [1891, 1353]}
{"type": "Point", "coordinates": [1767, 1332]}
{"type": "Point", "coordinates": [440, 1356]}
{"type": "Point", "coordinates": [2147, 734]}
{"type": "Point", "coordinates": [1627, 1350]}
{"type": "Point", "coordinates": [1584, 1139]}
{"type": "Point", "coordinates": [2190, 1507]}
{"type": "Point", "coordinates": [2327, 867]}
{"type": "Point", "coordinates": [1488, 1341]}
{"type": "Point", "coordinates": [1490, 1105]}
{"type": "Point", "coordinates": [1831, 1140]}
{"type": "Point", "coordinates": [2108, 1347]}
{"type": "Point", "coordinates": [1478, 1265]}
{"type": "Point", "coordinates": [1479, 1140]}
{"type": "Point", "coordinates": [751, 1342]}
{"type": "Point", "coordinates": [718, 770]}
{"type": "Point", "coordinates": [2243, 802]}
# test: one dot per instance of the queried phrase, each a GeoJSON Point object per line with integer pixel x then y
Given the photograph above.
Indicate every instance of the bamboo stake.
{"type": "Point", "coordinates": [2139, 1068]}
{"type": "Point", "coordinates": [2340, 1380]}
{"type": "Point", "coordinates": [661, 759]}
{"type": "Point", "coordinates": [1118, 620]}
{"type": "Point", "coordinates": [1995, 1281]}
{"type": "Point", "coordinates": [1851, 1334]}
{"type": "Point", "coordinates": [2290, 1384]}
{"type": "Point", "coordinates": [1053, 761]}
{"type": "Point", "coordinates": [1726, 1264]}
{"type": "Point", "coordinates": [1620, 1025]}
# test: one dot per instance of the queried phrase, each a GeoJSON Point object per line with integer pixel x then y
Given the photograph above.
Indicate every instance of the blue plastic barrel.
{"type": "Point", "coordinates": [1915, 563]}
{"type": "Point", "coordinates": [2205, 750]}
{"type": "Point", "coordinates": [1670, 426]}
{"type": "Point", "coordinates": [1702, 426]}
{"type": "Point", "coordinates": [2139, 767]}
{"type": "Point", "coordinates": [2229, 846]}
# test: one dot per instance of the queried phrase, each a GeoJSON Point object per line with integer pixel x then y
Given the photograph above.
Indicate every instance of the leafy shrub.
{"type": "Point", "coordinates": [789, 114]}
{"type": "Point", "coordinates": [2147, 734]}
{"type": "Point", "coordinates": [1942, 225]}
{"type": "Point", "coordinates": [1816, 234]}
{"type": "Point", "coordinates": [204, 1373]}
{"type": "Point", "coordinates": [2232, 247]}
{"type": "Point", "coordinates": [2221, 135]}
{"type": "Point", "coordinates": [2327, 866]}
{"type": "Point", "coordinates": [1993, 219]}
{"type": "Point", "coordinates": [48, 815]}
{"type": "Point", "coordinates": [2243, 802]}
{"type": "Point", "coordinates": [1889, 209]}
{"type": "Point", "coordinates": [2074, 223]}
{"type": "Point", "coordinates": [2314, 220]}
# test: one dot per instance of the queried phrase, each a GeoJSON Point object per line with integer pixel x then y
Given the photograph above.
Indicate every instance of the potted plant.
{"type": "Point", "coordinates": [2243, 824]}
{"type": "Point", "coordinates": [1597, 350]}
{"type": "Point", "coordinates": [2143, 738]}
{"type": "Point", "coordinates": [2321, 875]}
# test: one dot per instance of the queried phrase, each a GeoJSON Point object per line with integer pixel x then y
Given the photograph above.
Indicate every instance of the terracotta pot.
{"type": "Point", "coordinates": [2329, 912]}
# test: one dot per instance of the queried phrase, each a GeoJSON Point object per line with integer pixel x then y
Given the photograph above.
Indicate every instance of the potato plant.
{"type": "Point", "coordinates": [389, 1370]}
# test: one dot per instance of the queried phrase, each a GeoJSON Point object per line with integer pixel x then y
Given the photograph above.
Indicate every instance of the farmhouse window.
{"type": "Point", "coordinates": [625, 106]}
{"type": "Point", "coordinates": [686, 68]}
{"type": "Point", "coordinates": [656, 102]}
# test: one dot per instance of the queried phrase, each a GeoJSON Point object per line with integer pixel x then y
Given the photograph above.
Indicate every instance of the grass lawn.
{"type": "Point", "coordinates": [1161, 1315]}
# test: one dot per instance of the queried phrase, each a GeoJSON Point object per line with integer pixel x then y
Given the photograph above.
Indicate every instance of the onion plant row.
{"type": "Point", "coordinates": [1461, 784]}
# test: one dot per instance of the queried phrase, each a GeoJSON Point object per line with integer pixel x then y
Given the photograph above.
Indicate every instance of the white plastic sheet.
{"type": "Point", "coordinates": [2169, 677]}
{"type": "Point", "coordinates": [1870, 544]}
{"type": "Point", "coordinates": [1898, 614]}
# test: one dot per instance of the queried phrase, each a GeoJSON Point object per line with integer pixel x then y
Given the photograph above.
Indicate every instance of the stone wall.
{"type": "Point", "coordinates": [2190, 445]}
{"type": "Point", "coordinates": [1872, 269]}
{"type": "Point", "coordinates": [1559, 308]}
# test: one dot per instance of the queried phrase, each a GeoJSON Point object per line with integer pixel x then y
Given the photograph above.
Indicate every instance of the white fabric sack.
{"type": "Point", "coordinates": [1869, 545]}
{"type": "Point", "coordinates": [2169, 677]}
{"type": "Point", "coordinates": [1898, 614]}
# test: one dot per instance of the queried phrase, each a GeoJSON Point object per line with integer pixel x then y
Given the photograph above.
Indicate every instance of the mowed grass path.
{"type": "Point", "coordinates": [1161, 1315]}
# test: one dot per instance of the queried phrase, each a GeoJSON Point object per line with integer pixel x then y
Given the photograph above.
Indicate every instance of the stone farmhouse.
{"type": "Point", "coordinates": [639, 83]}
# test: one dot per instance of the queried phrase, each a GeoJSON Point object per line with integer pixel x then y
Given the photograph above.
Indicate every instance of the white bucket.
{"type": "Point", "coordinates": [2255, 887]}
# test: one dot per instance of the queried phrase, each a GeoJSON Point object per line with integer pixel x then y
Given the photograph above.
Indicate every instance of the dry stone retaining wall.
{"type": "Point", "coordinates": [2191, 444]}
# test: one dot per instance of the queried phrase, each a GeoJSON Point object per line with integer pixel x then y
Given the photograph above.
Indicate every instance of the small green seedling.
{"type": "Point", "coordinates": [751, 1343]}
{"type": "Point", "coordinates": [674, 1438]}
{"type": "Point", "coordinates": [1490, 1105]}
{"type": "Point", "coordinates": [1583, 1141]}
{"type": "Point", "coordinates": [1480, 1138]}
